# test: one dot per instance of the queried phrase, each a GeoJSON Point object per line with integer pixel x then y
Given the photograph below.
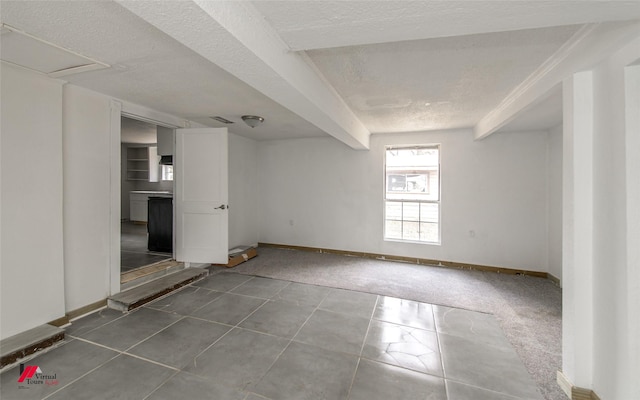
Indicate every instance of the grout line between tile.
{"type": "Point", "coordinates": [83, 375]}
{"type": "Point", "coordinates": [510, 396]}
{"type": "Point", "coordinates": [149, 360]}
{"type": "Point", "coordinates": [195, 362]}
{"type": "Point", "coordinates": [120, 353]}
{"type": "Point", "coordinates": [437, 331]}
{"type": "Point", "coordinates": [98, 344]}
{"type": "Point", "coordinates": [197, 289]}
{"type": "Point", "coordinates": [235, 287]}
{"type": "Point", "coordinates": [161, 385]}
{"type": "Point", "coordinates": [154, 334]}
{"type": "Point", "coordinates": [100, 326]}
{"type": "Point", "coordinates": [364, 341]}
{"type": "Point", "coordinates": [292, 338]}
{"type": "Point", "coordinates": [195, 358]}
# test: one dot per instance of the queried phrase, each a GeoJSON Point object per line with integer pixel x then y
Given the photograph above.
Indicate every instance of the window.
{"type": "Point", "coordinates": [167, 172]}
{"type": "Point", "coordinates": [412, 194]}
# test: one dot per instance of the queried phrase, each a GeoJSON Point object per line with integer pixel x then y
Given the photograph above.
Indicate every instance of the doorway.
{"type": "Point", "coordinates": [143, 177]}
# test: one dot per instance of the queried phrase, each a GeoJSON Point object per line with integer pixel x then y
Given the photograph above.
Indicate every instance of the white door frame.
{"type": "Point", "coordinates": [123, 109]}
{"type": "Point", "coordinates": [115, 183]}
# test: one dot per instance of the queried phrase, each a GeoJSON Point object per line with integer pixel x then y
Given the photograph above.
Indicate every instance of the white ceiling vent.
{"type": "Point", "coordinates": [28, 51]}
{"type": "Point", "coordinates": [222, 119]}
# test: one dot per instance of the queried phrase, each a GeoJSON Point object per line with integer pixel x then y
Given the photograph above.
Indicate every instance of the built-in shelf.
{"type": "Point", "coordinates": [142, 164]}
{"type": "Point", "coordinates": [138, 163]}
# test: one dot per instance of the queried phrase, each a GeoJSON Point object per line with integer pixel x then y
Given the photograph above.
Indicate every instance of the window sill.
{"type": "Point", "coordinates": [412, 242]}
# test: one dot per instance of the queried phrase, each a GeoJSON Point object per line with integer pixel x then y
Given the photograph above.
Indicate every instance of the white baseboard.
{"type": "Point", "coordinates": [575, 392]}
{"type": "Point", "coordinates": [564, 383]}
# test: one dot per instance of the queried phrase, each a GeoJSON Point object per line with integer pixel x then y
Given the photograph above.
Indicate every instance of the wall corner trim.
{"type": "Point", "coordinates": [564, 383]}
{"type": "Point", "coordinates": [575, 392]}
{"type": "Point", "coordinates": [554, 279]}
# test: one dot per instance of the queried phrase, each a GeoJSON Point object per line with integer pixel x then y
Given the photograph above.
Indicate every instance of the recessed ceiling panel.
{"type": "Point", "coordinates": [317, 24]}
{"type": "Point", "coordinates": [38, 55]}
{"type": "Point", "coordinates": [439, 83]}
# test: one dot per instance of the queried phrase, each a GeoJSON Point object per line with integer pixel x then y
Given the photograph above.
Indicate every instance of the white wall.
{"type": "Point", "coordinates": [317, 192]}
{"type": "Point", "coordinates": [243, 191]}
{"type": "Point", "coordinates": [31, 266]}
{"type": "Point", "coordinates": [87, 138]}
{"type": "Point", "coordinates": [58, 155]}
{"type": "Point", "coordinates": [601, 336]}
{"type": "Point", "coordinates": [554, 210]}
{"type": "Point", "coordinates": [577, 229]}
{"type": "Point", "coordinates": [613, 377]}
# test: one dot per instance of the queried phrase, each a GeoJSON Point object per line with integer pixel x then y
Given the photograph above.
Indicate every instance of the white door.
{"type": "Point", "coordinates": [201, 195]}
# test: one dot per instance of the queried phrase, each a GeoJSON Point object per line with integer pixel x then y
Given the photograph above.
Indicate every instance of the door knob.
{"type": "Point", "coordinates": [222, 207]}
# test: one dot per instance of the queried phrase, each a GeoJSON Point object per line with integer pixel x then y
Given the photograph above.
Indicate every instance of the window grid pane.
{"type": "Point", "coordinates": [411, 221]}
{"type": "Point", "coordinates": [411, 211]}
{"type": "Point", "coordinates": [167, 172]}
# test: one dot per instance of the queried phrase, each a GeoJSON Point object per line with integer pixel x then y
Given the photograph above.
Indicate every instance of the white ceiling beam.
{"type": "Point", "coordinates": [236, 37]}
{"type": "Point", "coordinates": [585, 49]}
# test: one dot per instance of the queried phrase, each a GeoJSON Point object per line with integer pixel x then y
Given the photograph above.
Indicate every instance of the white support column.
{"type": "Point", "coordinates": [632, 167]}
{"type": "Point", "coordinates": [577, 270]}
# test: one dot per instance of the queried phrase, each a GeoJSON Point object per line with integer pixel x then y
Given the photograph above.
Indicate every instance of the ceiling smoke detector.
{"type": "Point", "coordinates": [252, 120]}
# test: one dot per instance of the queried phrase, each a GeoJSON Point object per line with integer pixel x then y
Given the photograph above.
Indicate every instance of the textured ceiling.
{"type": "Point", "coordinates": [309, 24]}
{"type": "Point", "coordinates": [435, 83]}
{"type": "Point", "coordinates": [381, 66]}
{"type": "Point", "coordinates": [150, 68]}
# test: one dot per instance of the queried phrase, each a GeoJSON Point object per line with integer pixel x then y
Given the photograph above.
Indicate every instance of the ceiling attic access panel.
{"type": "Point", "coordinates": [25, 50]}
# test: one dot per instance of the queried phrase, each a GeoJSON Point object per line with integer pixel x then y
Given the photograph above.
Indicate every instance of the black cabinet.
{"type": "Point", "coordinates": [160, 224]}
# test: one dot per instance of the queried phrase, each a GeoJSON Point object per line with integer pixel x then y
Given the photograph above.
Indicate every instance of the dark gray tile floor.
{"type": "Point", "coordinates": [133, 247]}
{"type": "Point", "coordinates": [238, 337]}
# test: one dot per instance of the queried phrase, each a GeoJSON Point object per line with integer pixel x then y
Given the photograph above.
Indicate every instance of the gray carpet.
{"type": "Point", "coordinates": [529, 309]}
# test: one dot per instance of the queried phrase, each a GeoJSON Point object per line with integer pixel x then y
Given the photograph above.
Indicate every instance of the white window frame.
{"type": "Point", "coordinates": [438, 201]}
{"type": "Point", "coordinates": [164, 172]}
